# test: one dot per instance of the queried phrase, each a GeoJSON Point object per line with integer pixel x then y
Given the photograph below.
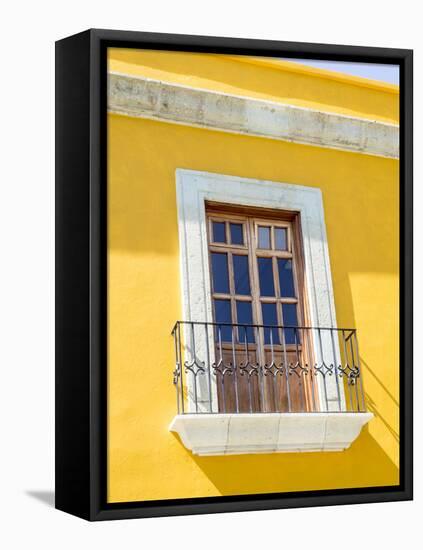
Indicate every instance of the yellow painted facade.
{"type": "Point", "coordinates": [361, 202]}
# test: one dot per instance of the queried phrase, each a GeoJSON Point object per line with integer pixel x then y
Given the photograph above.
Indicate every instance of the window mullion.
{"type": "Point", "coordinates": [252, 260]}
{"type": "Point", "coordinates": [255, 293]}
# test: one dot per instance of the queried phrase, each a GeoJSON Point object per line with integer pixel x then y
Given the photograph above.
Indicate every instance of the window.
{"type": "Point", "coordinates": [269, 237]}
{"type": "Point", "coordinates": [258, 302]}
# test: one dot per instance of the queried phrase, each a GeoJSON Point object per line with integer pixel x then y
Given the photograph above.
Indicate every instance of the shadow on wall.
{"type": "Point", "coordinates": [363, 465]}
{"type": "Point", "coordinates": [369, 462]}
{"type": "Point", "coordinates": [371, 405]}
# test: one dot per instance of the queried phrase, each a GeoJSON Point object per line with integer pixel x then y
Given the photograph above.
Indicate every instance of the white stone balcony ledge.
{"type": "Point", "coordinates": [241, 433]}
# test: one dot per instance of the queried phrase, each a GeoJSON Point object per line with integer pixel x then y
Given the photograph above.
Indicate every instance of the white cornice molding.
{"type": "Point", "coordinates": [154, 99]}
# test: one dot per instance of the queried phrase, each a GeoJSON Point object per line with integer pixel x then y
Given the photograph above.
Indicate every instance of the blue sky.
{"type": "Point", "coordinates": [383, 73]}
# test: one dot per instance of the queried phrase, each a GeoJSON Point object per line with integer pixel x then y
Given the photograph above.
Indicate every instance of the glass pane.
{"type": "Point", "coordinates": [270, 318]}
{"type": "Point", "coordinates": [289, 314]}
{"type": "Point", "coordinates": [264, 237]}
{"type": "Point", "coordinates": [280, 238]}
{"type": "Point", "coordinates": [267, 284]}
{"type": "Point", "coordinates": [241, 275]}
{"type": "Point", "coordinates": [237, 236]}
{"type": "Point", "coordinates": [286, 279]}
{"type": "Point", "coordinates": [222, 314]}
{"type": "Point", "coordinates": [220, 272]}
{"type": "Point", "coordinates": [219, 232]}
{"type": "Point", "coordinates": [244, 315]}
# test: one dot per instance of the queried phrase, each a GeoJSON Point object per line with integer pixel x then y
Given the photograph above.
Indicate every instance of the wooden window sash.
{"type": "Point", "coordinates": [222, 218]}
{"type": "Point", "coordinates": [272, 224]}
{"type": "Point", "coordinates": [250, 248]}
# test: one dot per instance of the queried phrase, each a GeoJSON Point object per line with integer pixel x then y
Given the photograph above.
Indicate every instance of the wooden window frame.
{"type": "Point", "coordinates": [251, 218]}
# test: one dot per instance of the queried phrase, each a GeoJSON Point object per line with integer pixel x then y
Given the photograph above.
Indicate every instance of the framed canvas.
{"type": "Point", "coordinates": [233, 274]}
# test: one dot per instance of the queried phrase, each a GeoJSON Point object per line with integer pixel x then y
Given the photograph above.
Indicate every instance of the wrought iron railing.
{"type": "Point", "coordinates": [238, 368]}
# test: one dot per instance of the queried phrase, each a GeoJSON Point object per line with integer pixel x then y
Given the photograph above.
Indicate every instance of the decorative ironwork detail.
{"type": "Point", "coordinates": [220, 372]}
{"type": "Point", "coordinates": [176, 374]}
{"type": "Point", "coordinates": [298, 369]}
{"type": "Point", "coordinates": [195, 366]}
{"type": "Point", "coordinates": [249, 370]}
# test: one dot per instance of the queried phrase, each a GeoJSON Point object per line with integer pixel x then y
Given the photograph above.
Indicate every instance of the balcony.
{"type": "Point", "coordinates": [265, 388]}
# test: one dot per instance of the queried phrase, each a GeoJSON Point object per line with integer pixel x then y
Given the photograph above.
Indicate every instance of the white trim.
{"type": "Point", "coordinates": [193, 188]}
{"type": "Point", "coordinates": [223, 434]}
{"type": "Point", "coordinates": [154, 99]}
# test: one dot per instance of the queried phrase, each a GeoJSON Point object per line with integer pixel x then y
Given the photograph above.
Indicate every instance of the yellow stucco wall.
{"type": "Point", "coordinates": [361, 199]}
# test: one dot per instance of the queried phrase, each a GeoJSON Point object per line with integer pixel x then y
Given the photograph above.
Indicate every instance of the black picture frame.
{"type": "Point", "coordinates": [81, 274]}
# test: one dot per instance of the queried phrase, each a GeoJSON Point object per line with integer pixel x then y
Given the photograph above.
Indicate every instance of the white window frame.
{"type": "Point", "coordinates": [193, 189]}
